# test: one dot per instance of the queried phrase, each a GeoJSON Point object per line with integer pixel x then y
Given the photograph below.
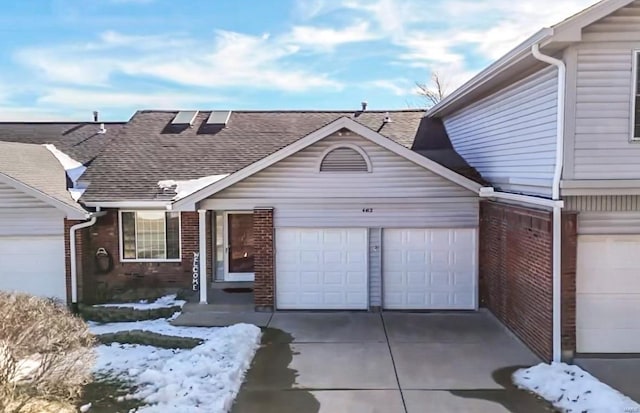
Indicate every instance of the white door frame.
{"type": "Point", "coordinates": [230, 276]}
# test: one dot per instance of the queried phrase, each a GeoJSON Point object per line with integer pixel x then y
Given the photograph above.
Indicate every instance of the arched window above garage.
{"type": "Point", "coordinates": [344, 158]}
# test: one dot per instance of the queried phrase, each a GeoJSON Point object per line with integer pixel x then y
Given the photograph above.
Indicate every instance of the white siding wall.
{"type": "Point", "coordinates": [22, 214]}
{"type": "Point", "coordinates": [509, 136]}
{"type": "Point", "coordinates": [606, 214]}
{"type": "Point", "coordinates": [375, 267]}
{"type": "Point", "coordinates": [603, 88]}
{"type": "Point", "coordinates": [397, 193]}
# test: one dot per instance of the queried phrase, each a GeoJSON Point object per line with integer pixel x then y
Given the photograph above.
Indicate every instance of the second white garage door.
{"type": "Point", "coordinates": [429, 269]}
{"type": "Point", "coordinates": [608, 294]}
{"type": "Point", "coordinates": [321, 268]}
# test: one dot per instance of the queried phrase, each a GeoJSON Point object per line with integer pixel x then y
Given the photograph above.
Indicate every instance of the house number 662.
{"type": "Point", "coordinates": [367, 210]}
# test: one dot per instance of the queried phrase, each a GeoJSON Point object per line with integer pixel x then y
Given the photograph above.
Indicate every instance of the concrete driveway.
{"type": "Point", "coordinates": [623, 374]}
{"type": "Point", "coordinates": [386, 363]}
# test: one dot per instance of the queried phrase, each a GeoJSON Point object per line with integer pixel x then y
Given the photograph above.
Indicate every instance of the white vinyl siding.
{"type": "Point", "coordinates": [510, 136]}
{"type": "Point", "coordinates": [614, 214]}
{"type": "Point", "coordinates": [10, 197]}
{"type": "Point", "coordinates": [35, 221]}
{"type": "Point", "coordinates": [396, 193]}
{"type": "Point", "coordinates": [603, 147]}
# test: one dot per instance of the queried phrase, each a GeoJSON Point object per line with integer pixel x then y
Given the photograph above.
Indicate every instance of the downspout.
{"type": "Point", "coordinates": [73, 258]}
{"type": "Point", "coordinates": [557, 209]}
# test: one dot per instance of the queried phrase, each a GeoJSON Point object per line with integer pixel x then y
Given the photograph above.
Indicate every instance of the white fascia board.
{"type": "Point", "coordinates": [488, 192]}
{"type": "Point", "coordinates": [70, 211]}
{"type": "Point", "coordinates": [130, 204]}
{"type": "Point", "coordinates": [189, 203]}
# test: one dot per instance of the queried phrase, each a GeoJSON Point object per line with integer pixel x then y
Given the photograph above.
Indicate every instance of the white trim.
{"type": "Point", "coordinates": [121, 244]}
{"type": "Point", "coordinates": [344, 145]}
{"type": "Point", "coordinates": [236, 276]}
{"type": "Point", "coordinates": [130, 204]}
{"type": "Point", "coordinates": [527, 199]}
{"type": "Point", "coordinates": [188, 203]}
{"type": "Point", "coordinates": [69, 210]}
{"type": "Point", "coordinates": [202, 247]}
{"type": "Point", "coordinates": [635, 72]}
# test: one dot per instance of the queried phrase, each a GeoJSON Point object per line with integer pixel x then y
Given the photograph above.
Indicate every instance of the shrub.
{"type": "Point", "coordinates": [46, 353]}
{"type": "Point", "coordinates": [149, 338]}
{"type": "Point", "coordinates": [123, 314]}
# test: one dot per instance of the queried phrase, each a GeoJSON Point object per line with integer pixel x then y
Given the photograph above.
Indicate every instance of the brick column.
{"type": "Point", "coordinates": [568, 271]}
{"type": "Point", "coordinates": [263, 233]}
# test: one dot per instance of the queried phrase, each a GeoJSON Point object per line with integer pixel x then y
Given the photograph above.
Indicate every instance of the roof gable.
{"type": "Point", "coordinates": [189, 202]}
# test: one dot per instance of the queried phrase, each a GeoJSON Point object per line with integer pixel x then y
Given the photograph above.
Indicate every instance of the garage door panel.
{"type": "Point", "coordinates": [608, 294]}
{"type": "Point", "coordinates": [329, 273]}
{"type": "Point", "coordinates": [34, 265]}
{"type": "Point", "coordinates": [429, 268]}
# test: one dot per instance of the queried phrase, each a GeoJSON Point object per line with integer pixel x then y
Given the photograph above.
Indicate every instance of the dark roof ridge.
{"type": "Point", "coordinates": [286, 110]}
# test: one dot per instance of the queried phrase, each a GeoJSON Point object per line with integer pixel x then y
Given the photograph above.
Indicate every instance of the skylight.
{"type": "Point", "coordinates": [185, 117]}
{"type": "Point", "coordinates": [219, 117]}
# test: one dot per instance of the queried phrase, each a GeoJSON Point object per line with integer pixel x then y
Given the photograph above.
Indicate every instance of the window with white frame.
{"type": "Point", "coordinates": [635, 115]}
{"type": "Point", "coordinates": [149, 235]}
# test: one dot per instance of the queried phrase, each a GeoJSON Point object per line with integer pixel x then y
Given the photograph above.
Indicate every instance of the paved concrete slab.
{"type": "Point", "coordinates": [623, 374]}
{"type": "Point", "coordinates": [457, 365]}
{"type": "Point", "coordinates": [221, 319]}
{"type": "Point", "coordinates": [340, 327]}
{"type": "Point", "coordinates": [472, 401]}
{"type": "Point", "coordinates": [322, 366]}
{"type": "Point", "coordinates": [477, 327]}
{"type": "Point", "coordinates": [302, 401]}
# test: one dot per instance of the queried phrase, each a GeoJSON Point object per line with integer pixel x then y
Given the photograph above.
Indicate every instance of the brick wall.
{"type": "Point", "coordinates": [516, 272]}
{"type": "Point", "coordinates": [128, 279]}
{"type": "Point", "coordinates": [263, 232]}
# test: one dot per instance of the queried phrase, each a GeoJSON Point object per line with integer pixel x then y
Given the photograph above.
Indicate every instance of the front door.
{"type": "Point", "coordinates": [239, 246]}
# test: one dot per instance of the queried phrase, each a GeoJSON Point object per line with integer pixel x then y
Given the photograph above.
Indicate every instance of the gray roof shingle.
{"type": "Point", "coordinates": [36, 167]}
{"type": "Point", "coordinates": [150, 149]}
{"type": "Point", "coordinates": [79, 140]}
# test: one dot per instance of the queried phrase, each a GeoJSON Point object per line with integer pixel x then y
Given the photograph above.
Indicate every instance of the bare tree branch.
{"type": "Point", "coordinates": [434, 91]}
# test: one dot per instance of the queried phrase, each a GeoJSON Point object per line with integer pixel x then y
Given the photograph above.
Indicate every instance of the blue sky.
{"type": "Point", "coordinates": [62, 59]}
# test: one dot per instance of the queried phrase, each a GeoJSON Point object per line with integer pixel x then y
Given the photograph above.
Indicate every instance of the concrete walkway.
{"type": "Point", "coordinates": [386, 363]}
{"type": "Point", "coordinates": [623, 374]}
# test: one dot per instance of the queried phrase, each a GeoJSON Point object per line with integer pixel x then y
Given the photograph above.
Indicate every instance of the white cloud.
{"type": "Point", "coordinates": [100, 99]}
{"type": "Point", "coordinates": [327, 38]}
{"type": "Point", "coordinates": [399, 87]}
{"type": "Point", "coordinates": [233, 60]}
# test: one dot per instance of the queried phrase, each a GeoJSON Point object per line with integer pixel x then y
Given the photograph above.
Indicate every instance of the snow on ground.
{"type": "Point", "coordinates": [572, 389]}
{"type": "Point", "coordinates": [203, 379]}
{"type": "Point", "coordinates": [186, 188]}
{"type": "Point", "coordinates": [163, 302]}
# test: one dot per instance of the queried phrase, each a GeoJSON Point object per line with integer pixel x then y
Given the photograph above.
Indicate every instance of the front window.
{"type": "Point", "coordinates": [635, 116]}
{"type": "Point", "coordinates": [150, 235]}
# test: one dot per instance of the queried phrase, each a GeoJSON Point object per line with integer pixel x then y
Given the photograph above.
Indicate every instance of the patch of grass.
{"type": "Point", "coordinates": [123, 314]}
{"type": "Point", "coordinates": [149, 338]}
{"type": "Point", "coordinates": [103, 394]}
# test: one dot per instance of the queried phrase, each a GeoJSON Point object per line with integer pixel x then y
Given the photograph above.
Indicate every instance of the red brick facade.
{"type": "Point", "coordinates": [125, 278]}
{"type": "Point", "coordinates": [263, 287]}
{"type": "Point", "coordinates": [516, 272]}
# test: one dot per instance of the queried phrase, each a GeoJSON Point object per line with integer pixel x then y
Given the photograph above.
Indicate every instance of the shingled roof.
{"type": "Point", "coordinates": [80, 140]}
{"type": "Point", "coordinates": [150, 149]}
{"type": "Point", "coordinates": [37, 168]}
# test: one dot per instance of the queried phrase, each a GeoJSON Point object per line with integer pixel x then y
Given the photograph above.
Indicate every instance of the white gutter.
{"type": "Point", "coordinates": [489, 192]}
{"type": "Point", "coordinates": [72, 255]}
{"type": "Point", "coordinates": [555, 190]}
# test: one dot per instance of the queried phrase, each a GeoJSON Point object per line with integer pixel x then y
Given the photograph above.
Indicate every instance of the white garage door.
{"type": "Point", "coordinates": [608, 294]}
{"type": "Point", "coordinates": [321, 268]}
{"type": "Point", "coordinates": [33, 264]}
{"type": "Point", "coordinates": [429, 268]}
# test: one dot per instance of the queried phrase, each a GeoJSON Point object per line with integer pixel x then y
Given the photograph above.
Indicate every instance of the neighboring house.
{"type": "Point", "coordinates": [36, 198]}
{"type": "Point", "coordinates": [564, 133]}
{"type": "Point", "coordinates": [34, 203]}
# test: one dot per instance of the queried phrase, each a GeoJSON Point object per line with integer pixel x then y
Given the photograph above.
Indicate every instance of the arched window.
{"type": "Point", "coordinates": [345, 158]}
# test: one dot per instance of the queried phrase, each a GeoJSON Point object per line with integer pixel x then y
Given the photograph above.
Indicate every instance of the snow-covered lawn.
{"type": "Point", "coordinates": [167, 301]}
{"type": "Point", "coordinates": [571, 389]}
{"type": "Point", "coordinates": [203, 379]}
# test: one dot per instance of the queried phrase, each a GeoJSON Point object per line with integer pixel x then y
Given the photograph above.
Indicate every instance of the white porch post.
{"type": "Point", "coordinates": [202, 232]}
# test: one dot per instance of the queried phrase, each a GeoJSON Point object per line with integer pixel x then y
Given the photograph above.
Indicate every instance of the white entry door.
{"type": "Point", "coordinates": [429, 269]}
{"type": "Point", "coordinates": [321, 268]}
{"type": "Point", "coordinates": [239, 246]}
{"type": "Point", "coordinates": [608, 294]}
{"type": "Point", "coordinates": [34, 265]}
